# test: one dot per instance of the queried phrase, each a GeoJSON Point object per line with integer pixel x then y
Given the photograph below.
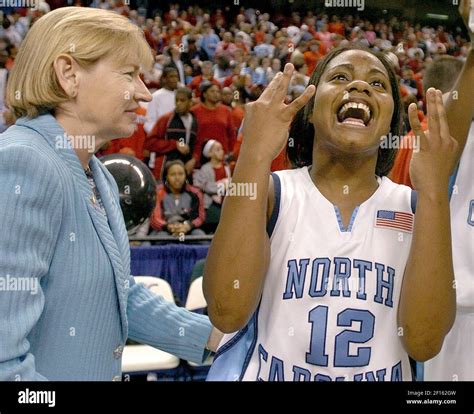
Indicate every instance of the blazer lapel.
{"type": "Point", "coordinates": [115, 236]}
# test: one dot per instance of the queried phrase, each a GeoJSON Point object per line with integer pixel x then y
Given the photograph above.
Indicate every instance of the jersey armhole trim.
{"type": "Point", "coordinates": [452, 180]}
{"type": "Point", "coordinates": [413, 201]}
{"type": "Point", "coordinates": [276, 207]}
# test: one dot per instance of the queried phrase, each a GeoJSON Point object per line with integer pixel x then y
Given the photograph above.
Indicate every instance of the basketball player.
{"type": "Point", "coordinates": [455, 362]}
{"type": "Point", "coordinates": [344, 284]}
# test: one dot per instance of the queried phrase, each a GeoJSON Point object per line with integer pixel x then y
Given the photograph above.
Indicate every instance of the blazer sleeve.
{"type": "Point", "coordinates": [31, 205]}
{"type": "Point", "coordinates": [154, 321]}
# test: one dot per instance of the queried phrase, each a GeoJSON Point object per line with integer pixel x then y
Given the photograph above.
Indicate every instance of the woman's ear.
{"type": "Point", "coordinates": [66, 69]}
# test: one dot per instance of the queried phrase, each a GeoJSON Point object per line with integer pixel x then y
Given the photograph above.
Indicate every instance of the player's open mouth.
{"type": "Point", "coordinates": [354, 112]}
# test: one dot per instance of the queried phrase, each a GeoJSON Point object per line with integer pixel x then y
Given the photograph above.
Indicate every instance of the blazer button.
{"type": "Point", "coordinates": [118, 352]}
{"type": "Point", "coordinates": [117, 378]}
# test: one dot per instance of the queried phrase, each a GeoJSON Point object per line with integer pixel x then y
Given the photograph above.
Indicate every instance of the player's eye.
{"type": "Point", "coordinates": [378, 83]}
{"type": "Point", "coordinates": [339, 76]}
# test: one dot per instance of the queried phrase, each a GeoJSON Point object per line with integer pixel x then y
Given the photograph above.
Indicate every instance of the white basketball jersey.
{"type": "Point", "coordinates": [455, 362]}
{"type": "Point", "coordinates": [328, 311]}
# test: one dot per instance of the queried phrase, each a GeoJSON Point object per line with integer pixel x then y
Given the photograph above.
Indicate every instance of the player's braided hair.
{"type": "Point", "coordinates": [302, 131]}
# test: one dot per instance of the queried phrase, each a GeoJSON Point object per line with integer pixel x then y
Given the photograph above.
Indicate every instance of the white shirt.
{"type": "Point", "coordinates": [163, 101]}
{"type": "Point", "coordinates": [187, 122]}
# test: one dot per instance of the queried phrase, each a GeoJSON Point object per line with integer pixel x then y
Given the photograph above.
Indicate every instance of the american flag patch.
{"type": "Point", "coordinates": [395, 220]}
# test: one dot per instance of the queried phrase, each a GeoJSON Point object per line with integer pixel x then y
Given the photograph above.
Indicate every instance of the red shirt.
{"type": "Point", "coordinates": [220, 172]}
{"type": "Point", "coordinates": [311, 58]}
{"type": "Point", "coordinates": [213, 124]}
{"type": "Point", "coordinates": [281, 162]}
{"type": "Point", "coordinates": [132, 145]}
{"type": "Point", "coordinates": [237, 118]}
{"type": "Point", "coordinates": [400, 173]}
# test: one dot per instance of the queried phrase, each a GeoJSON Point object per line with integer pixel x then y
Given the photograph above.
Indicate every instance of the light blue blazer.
{"type": "Point", "coordinates": [67, 299]}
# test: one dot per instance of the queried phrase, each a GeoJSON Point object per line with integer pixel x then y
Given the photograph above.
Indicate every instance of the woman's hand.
{"type": "Point", "coordinates": [214, 339]}
{"type": "Point", "coordinates": [434, 156]}
{"type": "Point", "coordinates": [268, 119]}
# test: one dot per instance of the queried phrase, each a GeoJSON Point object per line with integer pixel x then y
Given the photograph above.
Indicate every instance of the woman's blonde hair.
{"type": "Point", "coordinates": [85, 34]}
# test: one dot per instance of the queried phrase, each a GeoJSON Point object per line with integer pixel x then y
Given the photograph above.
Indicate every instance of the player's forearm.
{"type": "Point", "coordinates": [428, 301]}
{"type": "Point", "coordinates": [460, 104]}
{"type": "Point", "coordinates": [240, 250]}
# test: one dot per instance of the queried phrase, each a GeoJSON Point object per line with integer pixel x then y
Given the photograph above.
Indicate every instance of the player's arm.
{"type": "Point", "coordinates": [460, 103]}
{"type": "Point", "coordinates": [239, 255]}
{"type": "Point", "coordinates": [428, 301]}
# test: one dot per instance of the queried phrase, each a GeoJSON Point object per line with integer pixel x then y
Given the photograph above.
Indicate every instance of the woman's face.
{"type": "Point", "coordinates": [176, 177]}
{"type": "Point", "coordinates": [107, 96]}
{"type": "Point", "coordinates": [213, 94]}
{"type": "Point", "coordinates": [353, 104]}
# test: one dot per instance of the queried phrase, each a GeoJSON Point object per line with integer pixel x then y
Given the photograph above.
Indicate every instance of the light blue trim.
{"type": "Point", "coordinates": [351, 221]}
{"type": "Point", "coordinates": [452, 180]}
{"type": "Point", "coordinates": [420, 372]}
{"type": "Point", "coordinates": [232, 358]}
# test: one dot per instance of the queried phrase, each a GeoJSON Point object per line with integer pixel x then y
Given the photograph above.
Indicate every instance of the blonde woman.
{"type": "Point", "coordinates": [67, 299]}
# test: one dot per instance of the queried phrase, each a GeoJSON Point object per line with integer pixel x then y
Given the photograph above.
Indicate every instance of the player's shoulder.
{"type": "Point", "coordinates": [391, 185]}
{"type": "Point", "coordinates": [398, 194]}
{"type": "Point", "coordinates": [290, 173]}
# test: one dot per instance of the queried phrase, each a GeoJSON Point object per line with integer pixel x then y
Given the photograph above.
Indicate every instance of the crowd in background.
{"type": "Point", "coordinates": [208, 64]}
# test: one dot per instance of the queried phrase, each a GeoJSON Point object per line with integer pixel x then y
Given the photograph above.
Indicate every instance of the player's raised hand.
{"type": "Point", "coordinates": [268, 119]}
{"type": "Point", "coordinates": [434, 155]}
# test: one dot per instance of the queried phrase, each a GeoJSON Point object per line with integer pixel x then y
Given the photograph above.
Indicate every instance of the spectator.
{"type": "Point", "coordinates": [214, 120]}
{"type": "Point", "coordinates": [177, 63]}
{"type": "Point", "coordinates": [258, 77]}
{"type": "Point", "coordinates": [163, 100]}
{"type": "Point", "coordinates": [409, 82]}
{"type": "Point", "coordinates": [174, 135]}
{"type": "Point", "coordinates": [179, 206]}
{"type": "Point", "coordinates": [312, 56]}
{"type": "Point", "coordinates": [226, 47]}
{"type": "Point", "coordinates": [222, 69]}
{"type": "Point", "coordinates": [235, 72]}
{"type": "Point", "coordinates": [194, 56]}
{"type": "Point", "coordinates": [209, 40]}
{"type": "Point", "coordinates": [213, 180]}
{"type": "Point", "coordinates": [207, 75]}
{"type": "Point", "coordinates": [237, 110]}
{"type": "Point", "coordinates": [265, 49]}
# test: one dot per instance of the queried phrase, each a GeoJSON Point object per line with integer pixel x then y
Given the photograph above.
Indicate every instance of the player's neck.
{"type": "Point", "coordinates": [339, 178]}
